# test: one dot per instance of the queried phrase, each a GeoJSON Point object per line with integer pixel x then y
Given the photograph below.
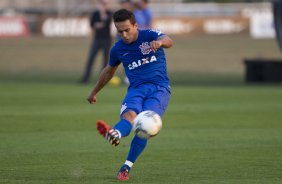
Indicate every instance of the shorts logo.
{"type": "Point", "coordinates": [145, 48]}
{"type": "Point", "coordinates": [123, 107]}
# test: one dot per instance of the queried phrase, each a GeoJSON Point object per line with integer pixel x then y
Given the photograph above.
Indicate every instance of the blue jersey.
{"type": "Point", "coordinates": [141, 63]}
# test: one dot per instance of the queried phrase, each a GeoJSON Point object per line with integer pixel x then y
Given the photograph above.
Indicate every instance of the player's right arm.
{"type": "Point", "coordinates": [105, 76]}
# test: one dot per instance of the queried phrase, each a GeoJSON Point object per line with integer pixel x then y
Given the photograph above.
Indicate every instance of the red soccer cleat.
{"type": "Point", "coordinates": [123, 175]}
{"type": "Point", "coordinates": [102, 127]}
{"type": "Point", "coordinates": [108, 133]}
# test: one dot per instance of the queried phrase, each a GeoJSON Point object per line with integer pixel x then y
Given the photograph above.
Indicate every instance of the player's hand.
{"type": "Point", "coordinates": [91, 99]}
{"type": "Point", "coordinates": [155, 45]}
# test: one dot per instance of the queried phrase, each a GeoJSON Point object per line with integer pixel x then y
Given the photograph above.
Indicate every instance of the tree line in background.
{"type": "Point", "coordinates": [226, 1]}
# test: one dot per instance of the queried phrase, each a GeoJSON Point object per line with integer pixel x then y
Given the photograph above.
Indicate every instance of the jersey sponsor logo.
{"type": "Point", "coordinates": [145, 48]}
{"type": "Point", "coordinates": [136, 64]}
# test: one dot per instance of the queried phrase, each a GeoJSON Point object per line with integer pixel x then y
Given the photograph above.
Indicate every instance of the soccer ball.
{"type": "Point", "coordinates": [147, 124]}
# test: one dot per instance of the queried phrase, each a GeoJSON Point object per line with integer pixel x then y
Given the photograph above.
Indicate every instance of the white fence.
{"type": "Point", "coordinates": [183, 18]}
{"type": "Point", "coordinates": [159, 8]}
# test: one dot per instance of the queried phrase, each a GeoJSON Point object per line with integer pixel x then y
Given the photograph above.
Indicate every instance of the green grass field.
{"type": "Point", "coordinates": [217, 129]}
{"type": "Point", "coordinates": [190, 60]}
{"type": "Point", "coordinates": [215, 135]}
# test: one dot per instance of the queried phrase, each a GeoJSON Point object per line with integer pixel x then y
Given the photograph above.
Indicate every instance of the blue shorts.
{"type": "Point", "coordinates": [146, 97]}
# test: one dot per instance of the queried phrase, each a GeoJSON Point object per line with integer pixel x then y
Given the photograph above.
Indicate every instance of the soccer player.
{"type": "Point", "coordinates": [142, 54]}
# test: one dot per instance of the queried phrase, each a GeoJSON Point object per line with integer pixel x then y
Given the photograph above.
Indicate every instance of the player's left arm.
{"type": "Point", "coordinates": [105, 76]}
{"type": "Point", "coordinates": [163, 41]}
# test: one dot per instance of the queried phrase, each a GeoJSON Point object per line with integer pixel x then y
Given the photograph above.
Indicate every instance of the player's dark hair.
{"type": "Point", "coordinates": [123, 15]}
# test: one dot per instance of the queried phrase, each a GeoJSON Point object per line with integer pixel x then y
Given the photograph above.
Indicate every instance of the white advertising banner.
{"type": "Point", "coordinates": [79, 26]}
{"type": "Point", "coordinates": [203, 25]}
{"type": "Point", "coordinates": [223, 26]}
{"type": "Point", "coordinates": [174, 26]}
{"type": "Point", "coordinates": [13, 27]}
{"type": "Point", "coordinates": [65, 27]}
{"type": "Point", "coordinates": [262, 24]}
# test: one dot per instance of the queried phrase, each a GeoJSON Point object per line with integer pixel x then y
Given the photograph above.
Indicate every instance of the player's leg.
{"type": "Point", "coordinates": [137, 146]}
{"type": "Point", "coordinates": [131, 105]}
{"type": "Point", "coordinates": [157, 101]}
{"type": "Point", "coordinates": [125, 124]}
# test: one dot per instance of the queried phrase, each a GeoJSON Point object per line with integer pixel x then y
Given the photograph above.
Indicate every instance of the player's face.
{"type": "Point", "coordinates": [127, 31]}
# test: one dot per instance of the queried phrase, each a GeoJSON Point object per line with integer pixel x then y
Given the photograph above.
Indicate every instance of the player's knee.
{"type": "Point", "coordinates": [129, 116]}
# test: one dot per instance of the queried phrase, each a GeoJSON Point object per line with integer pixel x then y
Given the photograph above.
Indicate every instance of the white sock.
{"type": "Point", "coordinates": [127, 162]}
{"type": "Point", "coordinates": [119, 134]}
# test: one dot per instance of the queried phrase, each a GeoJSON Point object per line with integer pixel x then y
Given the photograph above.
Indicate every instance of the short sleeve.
{"type": "Point", "coordinates": [114, 61]}
{"type": "Point", "coordinates": [155, 34]}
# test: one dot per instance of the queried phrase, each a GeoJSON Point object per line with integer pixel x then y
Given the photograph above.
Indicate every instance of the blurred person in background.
{"type": "Point", "coordinates": [126, 4]}
{"type": "Point", "coordinates": [100, 23]}
{"type": "Point", "coordinates": [143, 14]}
{"type": "Point", "coordinates": [147, 13]}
